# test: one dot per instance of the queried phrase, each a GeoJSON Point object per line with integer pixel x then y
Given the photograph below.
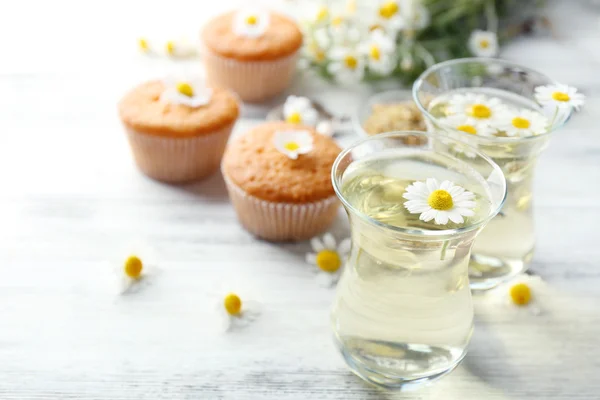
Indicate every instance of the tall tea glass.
{"type": "Point", "coordinates": [403, 314]}
{"type": "Point", "coordinates": [506, 246]}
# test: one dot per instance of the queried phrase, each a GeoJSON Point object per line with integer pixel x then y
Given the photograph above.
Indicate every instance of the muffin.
{"type": "Point", "coordinates": [251, 52]}
{"type": "Point", "coordinates": [279, 180]}
{"type": "Point", "coordinates": [178, 129]}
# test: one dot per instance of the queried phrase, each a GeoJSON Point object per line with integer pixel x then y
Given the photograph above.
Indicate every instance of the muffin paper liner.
{"type": "Point", "coordinates": [178, 160]}
{"type": "Point", "coordinates": [253, 81]}
{"type": "Point", "coordinates": [281, 221]}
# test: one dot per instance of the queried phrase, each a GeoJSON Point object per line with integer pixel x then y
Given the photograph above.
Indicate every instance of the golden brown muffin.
{"type": "Point", "coordinates": [142, 110]}
{"type": "Point", "coordinates": [281, 39]}
{"type": "Point", "coordinates": [254, 164]}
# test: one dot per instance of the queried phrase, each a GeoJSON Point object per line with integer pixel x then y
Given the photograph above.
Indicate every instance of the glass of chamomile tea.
{"type": "Point", "coordinates": [402, 314]}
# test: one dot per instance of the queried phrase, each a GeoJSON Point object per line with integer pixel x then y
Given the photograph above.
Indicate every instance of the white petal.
{"type": "Point", "coordinates": [441, 218]}
{"type": "Point", "coordinates": [465, 204]}
{"type": "Point", "coordinates": [465, 211]}
{"type": "Point", "coordinates": [329, 241]}
{"type": "Point", "coordinates": [432, 184]}
{"type": "Point", "coordinates": [446, 185]}
{"type": "Point", "coordinates": [324, 279]}
{"type": "Point", "coordinates": [311, 258]}
{"type": "Point", "coordinates": [317, 244]}
{"type": "Point", "coordinates": [428, 215]}
{"type": "Point", "coordinates": [344, 246]}
{"type": "Point", "coordinates": [455, 191]}
{"type": "Point", "coordinates": [455, 217]}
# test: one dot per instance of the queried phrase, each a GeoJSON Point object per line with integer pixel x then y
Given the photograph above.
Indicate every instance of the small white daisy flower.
{"type": "Point", "coordinates": [561, 96]}
{"type": "Point", "coordinates": [469, 125]}
{"type": "Point", "coordinates": [134, 268]}
{"type": "Point", "coordinates": [315, 50]}
{"type": "Point", "coordinates": [299, 110]}
{"type": "Point", "coordinates": [251, 23]}
{"type": "Point", "coordinates": [293, 143]}
{"type": "Point", "coordinates": [328, 257]}
{"type": "Point", "coordinates": [523, 293]}
{"type": "Point", "coordinates": [319, 14]}
{"type": "Point", "coordinates": [390, 15]}
{"type": "Point", "coordinates": [523, 123]}
{"type": "Point", "coordinates": [379, 49]}
{"type": "Point", "coordinates": [416, 15]}
{"type": "Point", "coordinates": [180, 48]}
{"type": "Point", "coordinates": [235, 310]}
{"type": "Point", "coordinates": [483, 43]}
{"type": "Point", "coordinates": [439, 202]}
{"type": "Point", "coordinates": [477, 106]}
{"type": "Point", "coordinates": [347, 65]}
{"type": "Point", "coordinates": [189, 92]}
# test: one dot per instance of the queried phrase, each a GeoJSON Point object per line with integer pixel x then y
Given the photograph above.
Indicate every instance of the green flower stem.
{"type": "Point", "coordinates": [444, 247]}
{"type": "Point", "coordinates": [490, 15]}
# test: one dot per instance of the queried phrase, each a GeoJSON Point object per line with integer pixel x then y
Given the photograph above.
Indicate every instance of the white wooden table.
{"type": "Point", "coordinates": [71, 199]}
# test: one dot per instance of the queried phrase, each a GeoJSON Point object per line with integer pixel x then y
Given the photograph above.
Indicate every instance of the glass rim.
{"type": "Point", "coordinates": [483, 60]}
{"type": "Point", "coordinates": [410, 231]}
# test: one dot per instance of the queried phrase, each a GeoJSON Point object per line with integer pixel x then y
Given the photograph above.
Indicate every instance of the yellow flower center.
{"type": "Point", "coordinates": [470, 129]}
{"type": "Point", "coordinates": [322, 14]}
{"type": "Point", "coordinates": [375, 53]}
{"type": "Point", "coordinates": [294, 118]}
{"type": "Point", "coordinates": [233, 304]}
{"type": "Point", "coordinates": [351, 6]}
{"type": "Point", "coordinates": [328, 261]}
{"type": "Point", "coordinates": [143, 44]}
{"type": "Point", "coordinates": [337, 21]}
{"type": "Point", "coordinates": [252, 20]}
{"type": "Point", "coordinates": [484, 43]}
{"type": "Point", "coordinates": [351, 62]}
{"type": "Point", "coordinates": [319, 55]}
{"type": "Point", "coordinates": [388, 9]}
{"type": "Point", "coordinates": [185, 89]}
{"type": "Point", "coordinates": [170, 47]}
{"type": "Point", "coordinates": [291, 146]}
{"type": "Point", "coordinates": [440, 200]}
{"type": "Point", "coordinates": [520, 123]}
{"type": "Point", "coordinates": [480, 111]}
{"type": "Point", "coordinates": [520, 294]}
{"type": "Point", "coordinates": [133, 267]}
{"type": "Point", "coordinates": [560, 96]}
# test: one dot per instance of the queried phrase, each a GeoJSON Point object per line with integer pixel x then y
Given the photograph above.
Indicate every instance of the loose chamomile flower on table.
{"type": "Point", "coordinates": [251, 23]}
{"type": "Point", "coordinates": [328, 256]}
{"type": "Point", "coordinates": [379, 49]}
{"type": "Point", "coordinates": [179, 48]}
{"type": "Point", "coordinates": [347, 65]}
{"type": "Point", "coordinates": [299, 110]}
{"type": "Point", "coordinates": [522, 293]}
{"type": "Point", "coordinates": [236, 310]}
{"type": "Point", "coordinates": [191, 92]}
{"type": "Point", "coordinates": [477, 106]}
{"type": "Point", "coordinates": [469, 125]}
{"type": "Point", "coordinates": [134, 268]}
{"type": "Point", "coordinates": [522, 123]}
{"type": "Point", "coordinates": [559, 95]}
{"type": "Point", "coordinates": [439, 202]}
{"type": "Point", "coordinates": [293, 143]}
{"type": "Point", "coordinates": [483, 43]}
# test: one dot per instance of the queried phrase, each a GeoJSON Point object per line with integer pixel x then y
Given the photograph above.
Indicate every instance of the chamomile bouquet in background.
{"type": "Point", "coordinates": [350, 41]}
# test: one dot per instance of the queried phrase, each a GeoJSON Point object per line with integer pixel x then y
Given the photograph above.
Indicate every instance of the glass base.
{"type": "Point", "coordinates": [398, 366]}
{"type": "Point", "coordinates": [487, 272]}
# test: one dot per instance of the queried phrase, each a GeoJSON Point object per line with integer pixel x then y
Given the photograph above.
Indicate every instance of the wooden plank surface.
{"type": "Point", "coordinates": [72, 202]}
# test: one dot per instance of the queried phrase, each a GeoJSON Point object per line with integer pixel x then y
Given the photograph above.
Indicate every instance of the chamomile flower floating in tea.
{"type": "Point", "coordinates": [299, 110]}
{"type": "Point", "coordinates": [439, 202]}
{"type": "Point", "coordinates": [251, 23]}
{"type": "Point", "coordinates": [469, 125]}
{"type": "Point", "coordinates": [328, 257]}
{"type": "Point", "coordinates": [379, 49]}
{"type": "Point", "coordinates": [483, 43]}
{"type": "Point", "coordinates": [293, 143]}
{"type": "Point", "coordinates": [477, 106]}
{"type": "Point", "coordinates": [191, 92]}
{"type": "Point", "coordinates": [347, 65]}
{"type": "Point", "coordinates": [561, 96]}
{"type": "Point", "coordinates": [522, 123]}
